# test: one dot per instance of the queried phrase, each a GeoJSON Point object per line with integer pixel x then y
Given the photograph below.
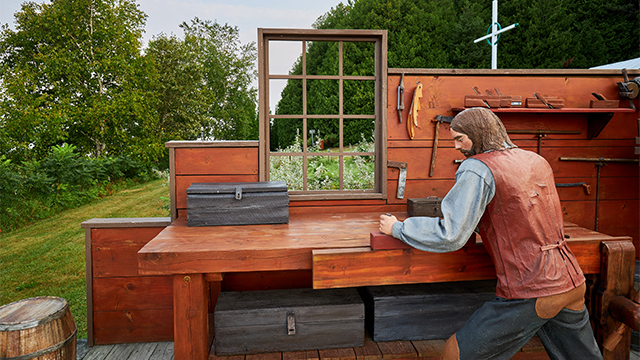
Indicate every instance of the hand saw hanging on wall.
{"type": "Point", "coordinates": [412, 121]}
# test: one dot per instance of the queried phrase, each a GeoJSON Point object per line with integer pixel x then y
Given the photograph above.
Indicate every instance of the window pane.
{"type": "Point", "coordinates": [323, 173]}
{"type": "Point", "coordinates": [325, 134]}
{"type": "Point", "coordinates": [359, 97]}
{"type": "Point", "coordinates": [285, 135]}
{"type": "Point", "coordinates": [284, 57]}
{"type": "Point", "coordinates": [359, 172]}
{"type": "Point", "coordinates": [359, 58]}
{"type": "Point", "coordinates": [287, 169]}
{"type": "Point", "coordinates": [322, 58]}
{"type": "Point", "coordinates": [322, 97]}
{"type": "Point", "coordinates": [359, 135]}
{"type": "Point", "coordinates": [288, 94]}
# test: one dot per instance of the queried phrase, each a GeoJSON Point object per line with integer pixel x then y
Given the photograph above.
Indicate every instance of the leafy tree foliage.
{"type": "Point", "coordinates": [178, 85]}
{"type": "Point", "coordinates": [439, 34]}
{"type": "Point", "coordinates": [227, 73]}
{"type": "Point", "coordinates": [204, 84]}
{"type": "Point", "coordinates": [72, 72]}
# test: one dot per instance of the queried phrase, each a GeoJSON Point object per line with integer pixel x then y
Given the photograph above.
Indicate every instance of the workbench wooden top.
{"type": "Point", "coordinates": [180, 249]}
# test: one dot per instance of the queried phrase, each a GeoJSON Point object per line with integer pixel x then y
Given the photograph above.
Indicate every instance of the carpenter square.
{"type": "Point", "coordinates": [402, 177]}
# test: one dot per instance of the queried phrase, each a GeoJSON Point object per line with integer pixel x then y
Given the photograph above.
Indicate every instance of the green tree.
{"type": "Point", "coordinates": [227, 73]}
{"type": "Point", "coordinates": [72, 72]}
{"type": "Point", "coordinates": [178, 76]}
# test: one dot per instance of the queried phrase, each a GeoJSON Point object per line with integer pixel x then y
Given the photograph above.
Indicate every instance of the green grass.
{"type": "Point", "coordinates": [47, 258]}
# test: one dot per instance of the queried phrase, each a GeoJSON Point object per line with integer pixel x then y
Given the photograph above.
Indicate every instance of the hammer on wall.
{"type": "Point", "coordinates": [439, 119]}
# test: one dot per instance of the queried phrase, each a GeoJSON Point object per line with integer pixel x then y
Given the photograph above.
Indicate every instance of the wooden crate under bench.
{"type": "Point", "coordinates": [250, 322]}
{"type": "Point", "coordinates": [422, 311]}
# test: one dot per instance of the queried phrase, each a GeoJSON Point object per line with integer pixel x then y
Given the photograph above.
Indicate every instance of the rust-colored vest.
{"type": "Point", "coordinates": [523, 229]}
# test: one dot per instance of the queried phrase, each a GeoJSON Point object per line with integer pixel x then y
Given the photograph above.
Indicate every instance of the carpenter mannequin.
{"type": "Point", "coordinates": [510, 195]}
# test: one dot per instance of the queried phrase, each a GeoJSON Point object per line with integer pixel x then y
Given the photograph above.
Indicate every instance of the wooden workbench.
{"type": "Point", "coordinates": [334, 246]}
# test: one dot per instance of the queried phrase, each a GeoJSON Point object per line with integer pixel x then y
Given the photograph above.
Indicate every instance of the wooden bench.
{"type": "Point", "coordinates": [335, 247]}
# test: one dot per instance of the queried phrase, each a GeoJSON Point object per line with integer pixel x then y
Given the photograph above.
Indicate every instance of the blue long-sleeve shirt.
{"type": "Point", "coordinates": [462, 209]}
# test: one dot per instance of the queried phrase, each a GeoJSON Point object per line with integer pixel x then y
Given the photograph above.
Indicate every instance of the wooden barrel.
{"type": "Point", "coordinates": [37, 328]}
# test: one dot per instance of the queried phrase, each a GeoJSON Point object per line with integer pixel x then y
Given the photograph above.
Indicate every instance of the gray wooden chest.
{"type": "Point", "coordinates": [422, 311]}
{"type": "Point", "coordinates": [240, 203]}
{"type": "Point", "coordinates": [430, 206]}
{"type": "Point", "coordinates": [288, 320]}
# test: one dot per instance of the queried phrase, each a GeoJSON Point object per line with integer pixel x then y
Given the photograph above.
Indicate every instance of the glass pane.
{"type": "Point", "coordinates": [323, 135]}
{"type": "Point", "coordinates": [323, 173]}
{"type": "Point", "coordinates": [359, 58]}
{"type": "Point", "coordinates": [359, 172]}
{"type": "Point", "coordinates": [322, 58]}
{"type": "Point", "coordinates": [359, 135]}
{"type": "Point", "coordinates": [287, 169]}
{"type": "Point", "coordinates": [322, 97]}
{"type": "Point", "coordinates": [285, 135]}
{"type": "Point", "coordinates": [284, 57]}
{"type": "Point", "coordinates": [359, 97]}
{"type": "Point", "coordinates": [285, 96]}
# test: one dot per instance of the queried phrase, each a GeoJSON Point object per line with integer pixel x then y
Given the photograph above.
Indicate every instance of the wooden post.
{"type": "Point", "coordinates": [616, 279]}
{"type": "Point", "coordinates": [190, 317]}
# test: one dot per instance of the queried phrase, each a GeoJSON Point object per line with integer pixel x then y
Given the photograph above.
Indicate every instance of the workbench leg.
{"type": "Point", "coordinates": [616, 279]}
{"type": "Point", "coordinates": [190, 317]}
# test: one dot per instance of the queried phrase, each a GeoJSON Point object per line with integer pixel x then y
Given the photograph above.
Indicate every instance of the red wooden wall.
{"type": "Point", "coordinates": [123, 307]}
{"type": "Point", "coordinates": [619, 182]}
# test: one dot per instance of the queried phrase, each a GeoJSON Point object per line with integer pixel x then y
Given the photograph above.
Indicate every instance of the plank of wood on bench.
{"type": "Point", "coordinates": [428, 348]}
{"type": "Point", "coordinates": [337, 354]}
{"type": "Point", "coordinates": [397, 350]}
{"type": "Point", "coordinates": [301, 355]}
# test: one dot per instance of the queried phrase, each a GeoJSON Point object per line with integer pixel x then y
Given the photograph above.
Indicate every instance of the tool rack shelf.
{"type": "Point", "coordinates": [597, 118]}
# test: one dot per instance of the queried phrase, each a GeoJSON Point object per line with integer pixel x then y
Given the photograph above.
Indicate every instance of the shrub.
{"type": "Point", "coordinates": [35, 190]}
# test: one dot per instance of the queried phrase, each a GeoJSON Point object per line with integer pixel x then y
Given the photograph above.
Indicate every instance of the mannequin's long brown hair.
{"type": "Point", "coordinates": [483, 128]}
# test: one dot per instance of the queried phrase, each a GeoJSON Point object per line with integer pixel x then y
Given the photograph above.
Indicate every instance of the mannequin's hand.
{"type": "Point", "coordinates": [386, 223]}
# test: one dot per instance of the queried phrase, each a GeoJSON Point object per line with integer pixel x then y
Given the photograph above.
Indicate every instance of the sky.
{"type": "Point", "coordinates": [246, 15]}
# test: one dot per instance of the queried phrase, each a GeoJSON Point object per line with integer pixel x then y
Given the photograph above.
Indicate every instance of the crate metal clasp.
{"type": "Point", "coordinates": [238, 192]}
{"type": "Point", "coordinates": [291, 323]}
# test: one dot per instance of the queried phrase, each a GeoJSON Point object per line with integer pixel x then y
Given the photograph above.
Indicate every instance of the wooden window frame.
{"type": "Point", "coordinates": [379, 38]}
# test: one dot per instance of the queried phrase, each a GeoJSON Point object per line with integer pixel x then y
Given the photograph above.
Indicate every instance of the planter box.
{"type": "Point", "coordinates": [241, 203]}
{"type": "Point", "coordinates": [423, 311]}
{"type": "Point", "coordinates": [253, 322]}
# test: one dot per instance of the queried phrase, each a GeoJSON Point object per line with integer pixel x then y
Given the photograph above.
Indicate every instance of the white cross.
{"type": "Point", "coordinates": [494, 34]}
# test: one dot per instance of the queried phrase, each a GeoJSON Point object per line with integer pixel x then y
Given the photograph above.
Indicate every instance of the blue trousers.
{"type": "Point", "coordinates": [500, 328]}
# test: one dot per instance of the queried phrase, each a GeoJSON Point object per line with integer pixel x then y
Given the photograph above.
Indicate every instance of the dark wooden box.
{"type": "Point", "coordinates": [288, 320]}
{"type": "Point", "coordinates": [425, 207]}
{"type": "Point", "coordinates": [241, 203]}
{"type": "Point", "coordinates": [422, 311]}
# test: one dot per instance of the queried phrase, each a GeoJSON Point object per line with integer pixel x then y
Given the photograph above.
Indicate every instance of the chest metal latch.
{"type": "Point", "coordinates": [291, 323]}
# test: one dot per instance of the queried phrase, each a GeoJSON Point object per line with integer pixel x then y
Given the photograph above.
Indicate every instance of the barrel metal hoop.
{"type": "Point", "coordinates": [50, 349]}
